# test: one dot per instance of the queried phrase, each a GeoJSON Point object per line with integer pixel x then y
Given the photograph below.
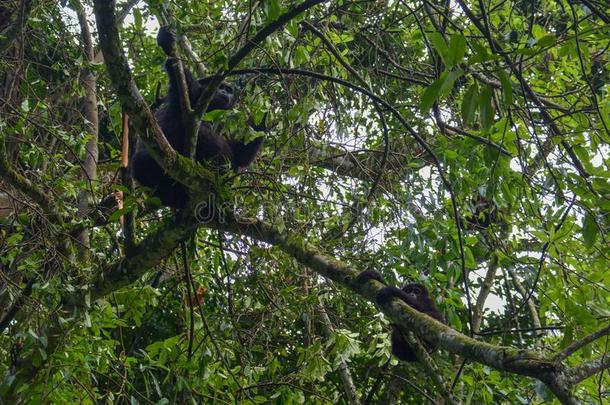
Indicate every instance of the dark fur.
{"type": "Point", "coordinates": [367, 275]}
{"type": "Point", "coordinates": [211, 146]}
{"type": "Point", "coordinates": [416, 296]}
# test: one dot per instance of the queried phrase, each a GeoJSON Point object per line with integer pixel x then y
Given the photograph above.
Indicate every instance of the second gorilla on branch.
{"type": "Point", "coordinates": [416, 296]}
{"type": "Point", "coordinates": [211, 146]}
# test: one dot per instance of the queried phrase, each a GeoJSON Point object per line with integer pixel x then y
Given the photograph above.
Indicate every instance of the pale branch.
{"type": "Point", "coordinates": [477, 313]}
{"type": "Point", "coordinates": [7, 205]}
{"type": "Point", "coordinates": [121, 15]}
{"type": "Point", "coordinates": [344, 372]}
{"type": "Point", "coordinates": [185, 44]}
{"type": "Point", "coordinates": [530, 303]}
{"type": "Point", "coordinates": [125, 10]}
{"type": "Point", "coordinates": [361, 165]}
{"type": "Point", "coordinates": [89, 83]}
{"type": "Point", "coordinates": [587, 369]}
{"type": "Point", "coordinates": [429, 366]}
{"type": "Point", "coordinates": [569, 350]}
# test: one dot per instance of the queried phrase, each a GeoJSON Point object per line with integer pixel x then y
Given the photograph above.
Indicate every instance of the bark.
{"type": "Point", "coordinates": [530, 303]}
{"type": "Point", "coordinates": [477, 314]}
{"type": "Point", "coordinates": [344, 372]}
{"type": "Point", "coordinates": [89, 83]}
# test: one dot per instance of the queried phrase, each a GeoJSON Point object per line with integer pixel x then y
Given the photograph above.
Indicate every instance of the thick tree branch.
{"type": "Point", "coordinates": [522, 362]}
{"type": "Point", "coordinates": [141, 258]}
{"type": "Point", "coordinates": [432, 156]}
{"type": "Point", "coordinates": [429, 366]}
{"type": "Point", "coordinates": [477, 315]}
{"type": "Point", "coordinates": [344, 371]}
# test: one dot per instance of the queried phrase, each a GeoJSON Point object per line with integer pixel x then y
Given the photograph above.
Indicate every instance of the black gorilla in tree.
{"type": "Point", "coordinates": [211, 146]}
{"type": "Point", "coordinates": [416, 296]}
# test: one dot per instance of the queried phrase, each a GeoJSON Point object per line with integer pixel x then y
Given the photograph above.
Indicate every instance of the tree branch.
{"type": "Point", "coordinates": [586, 370]}
{"type": "Point", "coordinates": [565, 353]}
{"type": "Point", "coordinates": [179, 167]}
{"type": "Point", "coordinates": [89, 84]}
{"type": "Point", "coordinates": [259, 37]}
{"type": "Point", "coordinates": [522, 362]}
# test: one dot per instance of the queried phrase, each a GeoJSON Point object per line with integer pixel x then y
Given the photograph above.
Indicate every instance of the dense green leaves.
{"type": "Point", "coordinates": [512, 99]}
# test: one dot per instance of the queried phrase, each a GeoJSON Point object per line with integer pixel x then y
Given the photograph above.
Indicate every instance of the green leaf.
{"type": "Point", "coordinates": [589, 230]}
{"type": "Point", "coordinates": [457, 49]}
{"type": "Point", "coordinates": [469, 103]}
{"type": "Point", "coordinates": [441, 87]}
{"type": "Point", "coordinates": [469, 258]}
{"type": "Point", "coordinates": [449, 82]}
{"type": "Point", "coordinates": [137, 19]}
{"type": "Point", "coordinates": [439, 44]}
{"type": "Point", "coordinates": [547, 40]}
{"type": "Point", "coordinates": [482, 54]}
{"type": "Point", "coordinates": [507, 88]}
{"type": "Point", "coordinates": [486, 110]}
{"type": "Point", "coordinates": [273, 9]}
{"type": "Point", "coordinates": [432, 93]}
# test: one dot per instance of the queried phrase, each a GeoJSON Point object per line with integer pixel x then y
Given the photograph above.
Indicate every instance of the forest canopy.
{"type": "Point", "coordinates": [462, 145]}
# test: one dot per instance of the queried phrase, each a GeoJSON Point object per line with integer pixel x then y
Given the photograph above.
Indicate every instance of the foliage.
{"type": "Point", "coordinates": [514, 104]}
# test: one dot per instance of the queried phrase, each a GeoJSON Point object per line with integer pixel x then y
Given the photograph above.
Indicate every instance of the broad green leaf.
{"type": "Point", "coordinates": [589, 230]}
{"type": "Point", "coordinates": [507, 88]}
{"type": "Point", "coordinates": [432, 93]}
{"type": "Point", "coordinates": [447, 85]}
{"type": "Point", "coordinates": [470, 102]}
{"type": "Point", "coordinates": [439, 44]}
{"type": "Point", "coordinates": [273, 9]}
{"type": "Point", "coordinates": [137, 19]}
{"type": "Point", "coordinates": [547, 40]}
{"type": "Point", "coordinates": [469, 257]}
{"type": "Point", "coordinates": [486, 111]}
{"type": "Point", "coordinates": [457, 49]}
